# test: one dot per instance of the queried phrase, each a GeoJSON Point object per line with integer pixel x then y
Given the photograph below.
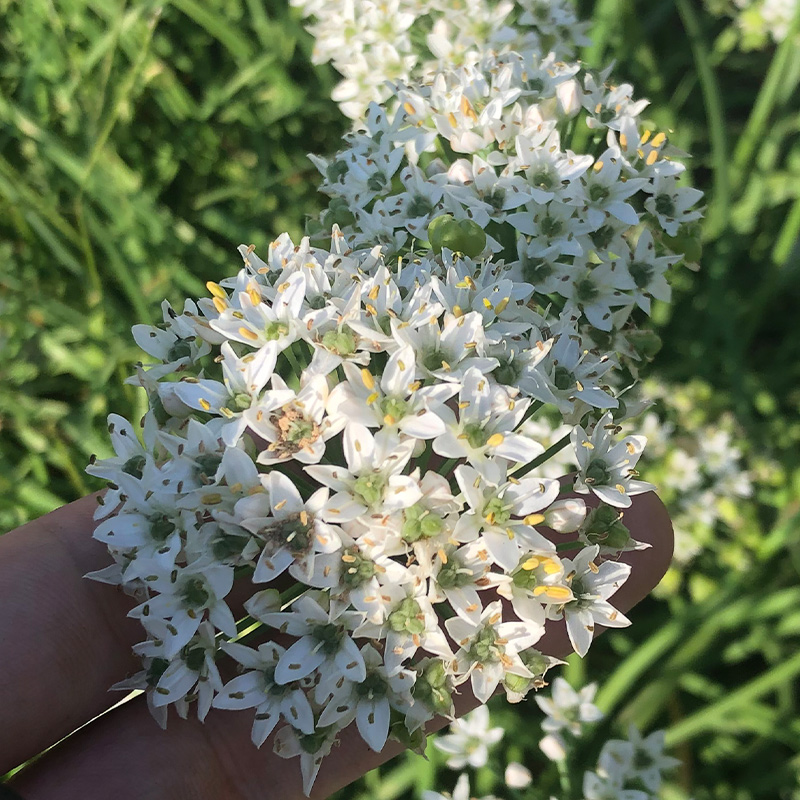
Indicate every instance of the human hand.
{"type": "Point", "coordinates": [64, 640]}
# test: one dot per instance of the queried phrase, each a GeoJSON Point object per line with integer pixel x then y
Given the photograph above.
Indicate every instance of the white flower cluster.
{"type": "Point", "coordinates": [321, 424]}
{"type": "Point", "coordinates": [771, 17]}
{"type": "Point", "coordinates": [479, 159]}
{"type": "Point", "coordinates": [627, 769]}
{"type": "Point", "coordinates": [373, 43]}
{"type": "Point", "coordinates": [346, 433]}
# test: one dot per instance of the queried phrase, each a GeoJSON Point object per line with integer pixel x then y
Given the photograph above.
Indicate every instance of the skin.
{"type": "Point", "coordinates": [65, 640]}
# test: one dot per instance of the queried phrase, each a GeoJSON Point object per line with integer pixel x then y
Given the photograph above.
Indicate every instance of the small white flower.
{"type": "Point", "coordinates": [468, 740]}
{"type": "Point", "coordinates": [567, 709]}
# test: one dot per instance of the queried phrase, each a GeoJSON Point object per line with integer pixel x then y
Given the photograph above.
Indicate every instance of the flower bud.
{"type": "Point", "coordinates": [565, 516]}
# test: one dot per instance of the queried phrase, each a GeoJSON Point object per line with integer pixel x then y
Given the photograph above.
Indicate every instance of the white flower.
{"type": "Point", "coordinates": [257, 688]}
{"type": "Point", "coordinates": [591, 586]}
{"type": "Point", "coordinates": [517, 776]}
{"type": "Point", "coordinates": [489, 648]}
{"type": "Point", "coordinates": [325, 641]}
{"type": "Point", "coordinates": [607, 468]}
{"type": "Point", "coordinates": [468, 740]}
{"type": "Point", "coordinates": [567, 709]}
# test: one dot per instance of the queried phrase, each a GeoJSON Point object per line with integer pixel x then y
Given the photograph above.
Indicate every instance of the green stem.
{"type": "Point", "coordinates": [719, 214]}
{"type": "Point", "coordinates": [539, 460]}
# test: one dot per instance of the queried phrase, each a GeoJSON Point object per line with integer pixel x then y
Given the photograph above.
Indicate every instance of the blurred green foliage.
{"type": "Point", "coordinates": [139, 144]}
{"type": "Point", "coordinates": [138, 147]}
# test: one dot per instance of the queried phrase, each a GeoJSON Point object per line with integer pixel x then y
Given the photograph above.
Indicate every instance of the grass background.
{"type": "Point", "coordinates": [140, 143]}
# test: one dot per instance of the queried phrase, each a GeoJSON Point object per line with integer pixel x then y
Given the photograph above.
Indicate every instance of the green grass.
{"type": "Point", "coordinates": [138, 148]}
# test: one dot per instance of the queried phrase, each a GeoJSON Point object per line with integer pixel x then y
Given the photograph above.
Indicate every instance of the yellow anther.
{"type": "Point", "coordinates": [623, 140]}
{"type": "Point", "coordinates": [645, 136]}
{"type": "Point", "coordinates": [557, 593]}
{"type": "Point", "coordinates": [248, 334]}
{"type": "Point", "coordinates": [280, 505]}
{"type": "Point", "coordinates": [598, 165]}
{"type": "Point", "coordinates": [652, 157]}
{"type": "Point", "coordinates": [659, 139]}
{"type": "Point", "coordinates": [388, 419]}
{"type": "Point", "coordinates": [219, 304]}
{"type": "Point", "coordinates": [534, 519]}
{"type": "Point", "coordinates": [442, 556]}
{"type": "Point", "coordinates": [620, 488]}
{"type": "Point", "coordinates": [550, 566]}
{"type": "Point", "coordinates": [374, 292]}
{"type": "Point", "coordinates": [409, 109]}
{"type": "Point", "coordinates": [531, 564]}
{"type": "Point", "coordinates": [458, 311]}
{"type": "Point", "coordinates": [253, 294]}
{"type": "Point", "coordinates": [216, 290]}
{"type": "Point", "coordinates": [366, 377]}
{"type": "Point", "coordinates": [502, 305]}
{"type": "Point", "coordinates": [304, 517]}
{"type": "Point", "coordinates": [487, 303]}
{"type": "Point", "coordinates": [348, 559]}
{"type": "Point", "coordinates": [452, 119]}
{"type": "Point", "coordinates": [372, 398]}
{"type": "Point", "coordinates": [495, 440]}
{"type": "Point", "coordinates": [630, 448]}
{"type": "Point", "coordinates": [206, 406]}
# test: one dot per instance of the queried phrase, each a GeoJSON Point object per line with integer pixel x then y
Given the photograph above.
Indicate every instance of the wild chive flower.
{"type": "Point", "coordinates": [363, 419]}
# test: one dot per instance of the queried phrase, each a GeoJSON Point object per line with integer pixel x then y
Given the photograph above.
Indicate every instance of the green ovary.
{"type": "Point", "coordinates": [342, 343]}
{"type": "Point", "coordinates": [421, 523]}
{"type": "Point", "coordinates": [484, 646]}
{"type": "Point", "coordinates": [370, 488]}
{"type": "Point", "coordinates": [407, 617]}
{"type": "Point", "coordinates": [495, 512]}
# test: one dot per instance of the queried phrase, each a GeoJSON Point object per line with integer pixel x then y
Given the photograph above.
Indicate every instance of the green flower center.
{"type": "Point", "coordinates": [665, 205]}
{"type": "Point", "coordinates": [393, 409]}
{"type": "Point", "coordinates": [293, 531]}
{"type": "Point", "coordinates": [374, 685]}
{"type": "Point", "coordinates": [158, 666]}
{"type": "Point", "coordinates": [642, 273]}
{"type": "Point", "coordinates": [542, 179]}
{"type": "Point", "coordinates": [182, 348]}
{"type": "Point", "coordinates": [275, 330]}
{"type": "Point", "coordinates": [194, 658]}
{"type": "Point", "coordinates": [370, 488]}
{"type": "Point", "coordinates": [508, 372]}
{"type": "Point", "coordinates": [421, 523]}
{"type": "Point", "coordinates": [484, 647]}
{"type": "Point", "coordinates": [341, 343]}
{"type": "Point", "coordinates": [161, 526]}
{"type": "Point", "coordinates": [431, 687]}
{"type": "Point", "coordinates": [194, 593]}
{"type": "Point", "coordinates": [598, 193]}
{"type": "Point", "coordinates": [419, 206]}
{"type": "Point", "coordinates": [134, 466]}
{"type": "Point", "coordinates": [207, 464]}
{"type": "Point", "coordinates": [377, 182]}
{"type": "Point", "coordinates": [357, 569]}
{"type": "Point", "coordinates": [496, 198]}
{"type": "Point", "coordinates": [602, 237]}
{"type": "Point", "coordinates": [496, 512]}
{"type": "Point", "coordinates": [536, 271]}
{"type": "Point", "coordinates": [551, 226]}
{"type": "Point", "coordinates": [585, 290]}
{"type": "Point", "coordinates": [407, 617]}
{"type": "Point", "coordinates": [475, 435]}
{"type": "Point", "coordinates": [454, 575]}
{"type": "Point", "coordinates": [563, 379]}
{"type": "Point", "coordinates": [242, 401]}
{"type": "Point", "coordinates": [598, 473]}
{"type": "Point", "coordinates": [328, 636]}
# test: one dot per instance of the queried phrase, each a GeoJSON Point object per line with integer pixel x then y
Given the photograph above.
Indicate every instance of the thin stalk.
{"type": "Point", "coordinates": [549, 453]}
